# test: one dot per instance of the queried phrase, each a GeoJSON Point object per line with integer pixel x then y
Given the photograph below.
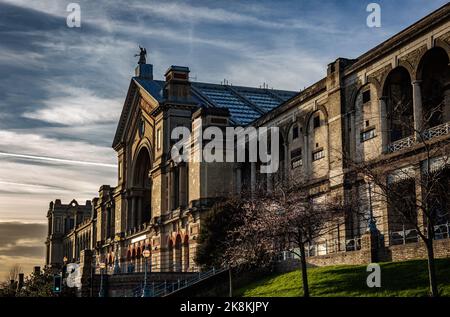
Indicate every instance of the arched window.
{"type": "Point", "coordinates": [399, 104]}
{"type": "Point", "coordinates": [434, 73]}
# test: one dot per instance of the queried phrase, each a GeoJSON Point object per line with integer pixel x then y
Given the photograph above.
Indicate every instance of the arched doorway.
{"type": "Point", "coordinates": [434, 73]}
{"type": "Point", "coordinates": [399, 104]}
{"type": "Point", "coordinates": [178, 254]}
{"type": "Point", "coordinates": [141, 203]}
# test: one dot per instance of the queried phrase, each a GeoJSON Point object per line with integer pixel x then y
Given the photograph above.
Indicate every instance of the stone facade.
{"type": "Point", "coordinates": [159, 205]}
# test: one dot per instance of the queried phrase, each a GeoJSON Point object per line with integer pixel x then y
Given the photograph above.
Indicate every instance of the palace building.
{"type": "Point", "coordinates": [357, 110]}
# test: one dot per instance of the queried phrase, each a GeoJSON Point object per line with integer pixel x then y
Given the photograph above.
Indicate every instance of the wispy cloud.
{"type": "Point", "coordinates": [83, 105]}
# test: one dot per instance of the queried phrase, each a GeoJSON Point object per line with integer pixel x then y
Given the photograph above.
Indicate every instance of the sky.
{"type": "Point", "coordinates": [62, 89]}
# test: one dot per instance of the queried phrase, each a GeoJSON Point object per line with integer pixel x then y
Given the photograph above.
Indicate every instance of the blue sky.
{"type": "Point", "coordinates": [62, 89]}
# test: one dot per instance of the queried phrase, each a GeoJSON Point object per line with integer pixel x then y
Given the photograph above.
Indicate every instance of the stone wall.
{"type": "Point", "coordinates": [417, 250]}
{"type": "Point", "coordinates": [395, 253]}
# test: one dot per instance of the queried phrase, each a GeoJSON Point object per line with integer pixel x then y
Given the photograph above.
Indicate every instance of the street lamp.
{"type": "Point", "coordinates": [64, 267]}
{"type": "Point", "coordinates": [372, 226]}
{"type": "Point", "coordinates": [145, 290]}
{"type": "Point", "coordinates": [102, 266]}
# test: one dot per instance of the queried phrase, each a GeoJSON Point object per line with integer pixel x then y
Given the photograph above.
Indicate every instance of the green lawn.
{"type": "Point", "coordinates": [408, 278]}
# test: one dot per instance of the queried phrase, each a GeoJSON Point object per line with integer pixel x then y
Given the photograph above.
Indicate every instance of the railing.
{"type": "Point", "coordinates": [353, 244]}
{"type": "Point", "coordinates": [436, 131]}
{"type": "Point", "coordinates": [428, 134]}
{"type": "Point", "coordinates": [165, 288]}
{"type": "Point", "coordinates": [323, 248]}
{"type": "Point", "coordinates": [442, 231]}
{"type": "Point", "coordinates": [405, 236]}
{"type": "Point", "coordinates": [401, 144]}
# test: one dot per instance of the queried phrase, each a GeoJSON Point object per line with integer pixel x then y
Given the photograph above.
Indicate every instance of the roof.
{"type": "Point", "coordinates": [244, 103]}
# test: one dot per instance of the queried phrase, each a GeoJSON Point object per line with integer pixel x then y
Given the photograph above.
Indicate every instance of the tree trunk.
{"type": "Point", "coordinates": [304, 272]}
{"type": "Point", "coordinates": [431, 268]}
{"type": "Point", "coordinates": [230, 281]}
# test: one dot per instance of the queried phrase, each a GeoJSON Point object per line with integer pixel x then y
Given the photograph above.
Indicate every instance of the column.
{"type": "Point", "coordinates": [269, 182]}
{"type": "Point", "coordinates": [384, 128]}
{"type": "Point", "coordinates": [286, 162]}
{"type": "Point", "coordinates": [182, 184]}
{"type": "Point", "coordinates": [238, 180]}
{"type": "Point", "coordinates": [108, 222]}
{"type": "Point", "coordinates": [139, 211]}
{"type": "Point", "coordinates": [133, 212]}
{"type": "Point", "coordinates": [253, 176]}
{"type": "Point", "coordinates": [128, 215]}
{"type": "Point", "coordinates": [417, 108]}
{"type": "Point", "coordinates": [171, 190]}
{"type": "Point", "coordinates": [446, 108]}
{"type": "Point", "coordinates": [305, 155]}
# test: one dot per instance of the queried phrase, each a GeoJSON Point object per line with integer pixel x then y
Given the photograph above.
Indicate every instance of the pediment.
{"type": "Point", "coordinates": [137, 101]}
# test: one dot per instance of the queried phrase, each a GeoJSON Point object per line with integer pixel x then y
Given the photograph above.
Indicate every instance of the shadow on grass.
{"type": "Point", "coordinates": [409, 278]}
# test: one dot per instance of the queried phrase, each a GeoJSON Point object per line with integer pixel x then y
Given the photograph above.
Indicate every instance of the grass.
{"type": "Point", "coordinates": [405, 279]}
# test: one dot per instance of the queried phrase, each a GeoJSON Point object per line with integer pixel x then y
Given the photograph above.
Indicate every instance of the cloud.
{"type": "Point", "coordinates": [28, 143]}
{"type": "Point", "coordinates": [75, 106]}
{"type": "Point", "coordinates": [22, 244]}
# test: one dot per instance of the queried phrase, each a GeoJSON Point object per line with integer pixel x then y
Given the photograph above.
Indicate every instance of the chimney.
{"type": "Point", "coordinates": [177, 87]}
{"type": "Point", "coordinates": [37, 270]}
{"type": "Point", "coordinates": [21, 279]}
{"type": "Point", "coordinates": [144, 71]}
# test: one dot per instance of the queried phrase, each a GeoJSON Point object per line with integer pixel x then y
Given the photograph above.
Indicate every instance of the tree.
{"type": "Point", "coordinates": [218, 222]}
{"type": "Point", "coordinates": [284, 219]}
{"type": "Point", "coordinates": [14, 272]}
{"type": "Point", "coordinates": [37, 284]}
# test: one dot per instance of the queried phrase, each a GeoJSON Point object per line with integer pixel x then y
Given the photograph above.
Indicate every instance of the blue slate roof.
{"type": "Point", "coordinates": [245, 104]}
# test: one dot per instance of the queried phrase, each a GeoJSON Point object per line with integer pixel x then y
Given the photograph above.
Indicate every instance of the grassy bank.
{"type": "Point", "coordinates": [408, 278]}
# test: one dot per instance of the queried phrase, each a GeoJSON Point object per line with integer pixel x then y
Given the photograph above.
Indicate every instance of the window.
{"type": "Point", "coordinates": [296, 158]}
{"type": "Point", "coordinates": [366, 96]}
{"type": "Point", "coordinates": [317, 155]}
{"type": "Point", "coordinates": [367, 135]}
{"type": "Point", "coordinates": [295, 132]}
{"type": "Point", "coordinates": [316, 122]}
{"type": "Point", "coordinates": [158, 139]}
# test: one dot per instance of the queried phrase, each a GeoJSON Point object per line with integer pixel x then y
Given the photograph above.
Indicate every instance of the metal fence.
{"type": "Point", "coordinates": [430, 133]}
{"type": "Point", "coordinates": [405, 236]}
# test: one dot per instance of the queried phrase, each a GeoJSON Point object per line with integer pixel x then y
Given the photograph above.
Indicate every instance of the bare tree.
{"type": "Point", "coordinates": [14, 272]}
{"type": "Point", "coordinates": [424, 212]}
{"type": "Point", "coordinates": [286, 218]}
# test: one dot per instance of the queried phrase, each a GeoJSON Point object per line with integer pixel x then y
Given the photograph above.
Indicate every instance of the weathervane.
{"type": "Point", "coordinates": [142, 55]}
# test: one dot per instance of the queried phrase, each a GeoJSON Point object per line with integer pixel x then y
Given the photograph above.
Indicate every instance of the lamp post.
{"type": "Point", "coordinates": [101, 293]}
{"type": "Point", "coordinates": [372, 222]}
{"type": "Point", "coordinates": [145, 290]}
